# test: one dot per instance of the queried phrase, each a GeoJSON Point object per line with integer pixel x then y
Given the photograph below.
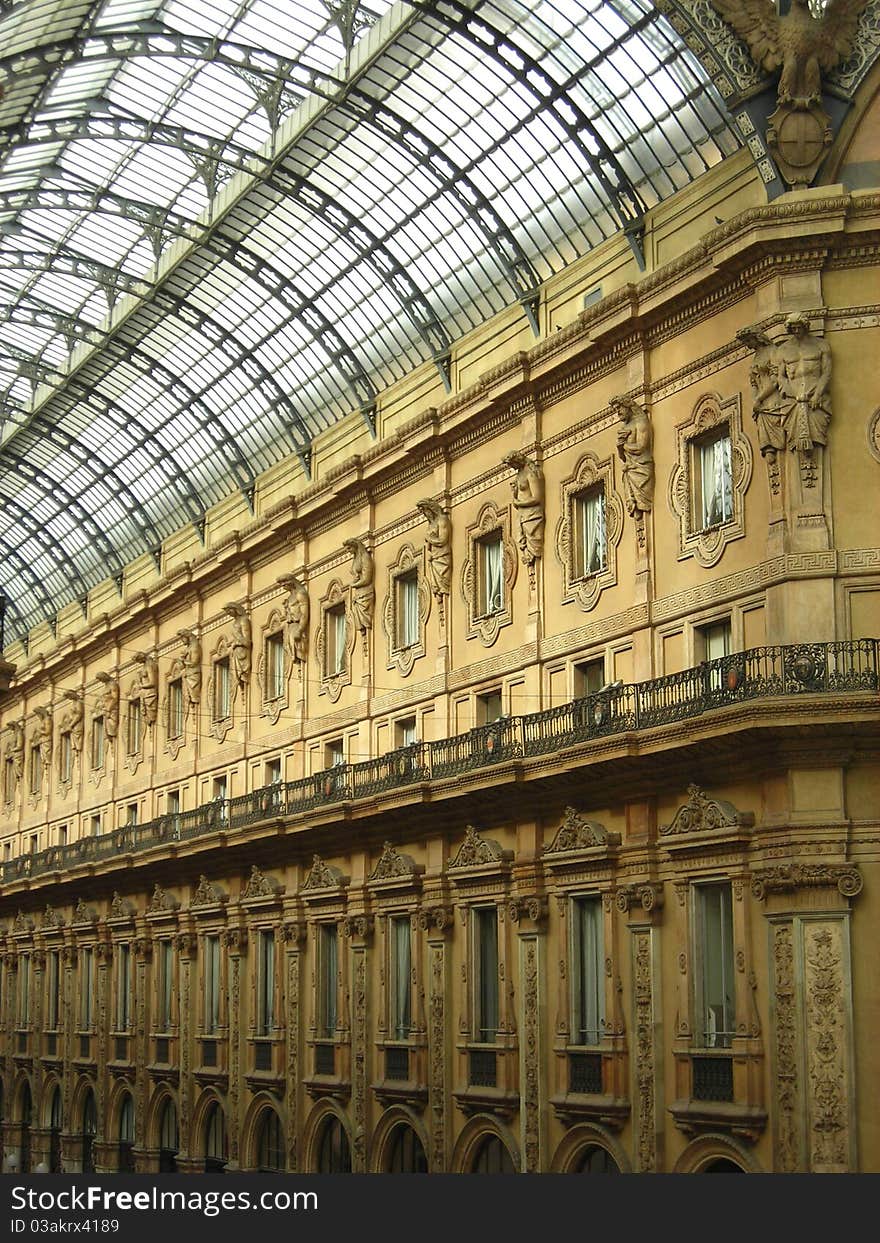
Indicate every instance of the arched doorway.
{"type": "Point", "coordinates": [594, 1160]}
{"type": "Point", "coordinates": [722, 1165]}
{"type": "Point", "coordinates": [270, 1144]}
{"type": "Point", "coordinates": [215, 1140]}
{"type": "Point", "coordinates": [55, 1133]}
{"type": "Point", "coordinates": [25, 1118]}
{"type": "Point", "coordinates": [406, 1154]}
{"type": "Point", "coordinates": [125, 1161]}
{"type": "Point", "coordinates": [492, 1158]}
{"type": "Point", "coordinates": [168, 1139]}
{"type": "Point", "coordinates": [334, 1153]}
{"type": "Point", "coordinates": [89, 1130]}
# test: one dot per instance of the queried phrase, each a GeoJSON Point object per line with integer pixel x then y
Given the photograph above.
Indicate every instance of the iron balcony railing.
{"type": "Point", "coordinates": [762, 672]}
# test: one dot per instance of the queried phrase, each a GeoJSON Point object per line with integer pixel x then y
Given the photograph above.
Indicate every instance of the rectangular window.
{"type": "Point", "coordinates": [265, 982]}
{"type": "Point", "coordinates": [334, 639]}
{"type": "Point", "coordinates": [65, 760]}
{"type": "Point", "coordinates": [274, 661]}
{"type": "Point", "coordinates": [164, 985]}
{"type": "Point", "coordinates": [490, 574]}
{"type": "Point", "coordinates": [587, 973]}
{"type": "Point", "coordinates": [123, 987]}
{"type": "Point", "coordinates": [95, 826]}
{"type": "Point", "coordinates": [62, 835]}
{"type": "Point", "coordinates": [9, 781]}
{"type": "Point", "coordinates": [53, 990]}
{"type": "Point", "coordinates": [220, 796]}
{"type": "Point", "coordinates": [714, 479]}
{"type": "Point", "coordinates": [86, 988]}
{"type": "Point", "coordinates": [334, 753]}
{"type": "Point", "coordinates": [273, 772]}
{"type": "Point", "coordinates": [133, 727]}
{"type": "Point", "coordinates": [715, 974]}
{"type": "Point", "coordinates": [405, 732]}
{"type": "Point", "coordinates": [407, 589]}
{"type": "Point", "coordinates": [98, 742]}
{"type": "Point", "coordinates": [175, 708]}
{"type": "Point", "coordinates": [222, 706]}
{"type": "Point", "coordinates": [399, 977]}
{"type": "Point", "coordinates": [36, 770]}
{"type": "Point", "coordinates": [714, 643]}
{"type": "Point", "coordinates": [486, 972]}
{"type": "Point", "coordinates": [131, 813]}
{"type": "Point", "coordinates": [173, 807]}
{"type": "Point", "coordinates": [24, 991]}
{"type": "Point", "coordinates": [34, 844]}
{"type": "Point", "coordinates": [589, 532]}
{"type": "Point", "coordinates": [488, 707]}
{"type": "Point", "coordinates": [589, 678]}
{"type": "Point", "coordinates": [328, 970]}
{"type": "Point", "coordinates": [211, 969]}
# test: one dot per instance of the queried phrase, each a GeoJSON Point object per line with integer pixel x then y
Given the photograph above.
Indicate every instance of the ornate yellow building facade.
{"type": "Point", "coordinates": [505, 797]}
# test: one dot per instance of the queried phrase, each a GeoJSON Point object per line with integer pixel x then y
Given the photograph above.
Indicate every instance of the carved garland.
{"type": "Point", "coordinates": [710, 413]}
{"type": "Point", "coordinates": [409, 561]}
{"type": "Point", "coordinates": [485, 627]}
{"type": "Point", "coordinates": [584, 590]}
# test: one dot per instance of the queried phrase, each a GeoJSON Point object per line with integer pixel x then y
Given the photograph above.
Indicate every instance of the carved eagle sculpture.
{"type": "Point", "coordinates": [805, 46]}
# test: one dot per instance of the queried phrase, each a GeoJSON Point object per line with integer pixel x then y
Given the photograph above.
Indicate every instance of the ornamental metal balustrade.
{"type": "Point", "coordinates": [759, 673]}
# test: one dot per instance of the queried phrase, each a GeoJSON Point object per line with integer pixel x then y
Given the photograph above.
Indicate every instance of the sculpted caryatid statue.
{"type": "Point", "coordinates": [148, 685]}
{"type": "Point", "coordinates": [803, 46]}
{"type": "Point", "coordinates": [363, 593]}
{"type": "Point", "coordinates": [14, 749]}
{"type": "Point", "coordinates": [766, 400]}
{"type": "Point", "coordinates": [191, 666]}
{"type": "Point", "coordinates": [528, 500]}
{"type": "Point", "coordinates": [635, 448]}
{"type": "Point", "coordinates": [804, 371]}
{"type": "Point", "coordinates": [42, 735]}
{"type": "Point", "coordinates": [109, 704]}
{"type": "Point", "coordinates": [296, 611]}
{"type": "Point", "coordinates": [438, 543]}
{"type": "Point", "coordinates": [241, 641]}
{"type": "Point", "coordinates": [72, 720]}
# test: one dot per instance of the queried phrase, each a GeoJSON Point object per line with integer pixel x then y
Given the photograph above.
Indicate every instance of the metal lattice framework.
{"type": "Point", "coordinates": [225, 227]}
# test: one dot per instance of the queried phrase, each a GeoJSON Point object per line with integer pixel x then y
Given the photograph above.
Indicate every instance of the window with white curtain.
{"type": "Point", "coordinates": [98, 742]}
{"type": "Point", "coordinates": [589, 532]}
{"type": "Point", "coordinates": [334, 639]}
{"type": "Point", "coordinates": [715, 974]}
{"type": "Point", "coordinates": [211, 968]}
{"type": "Point", "coordinates": [133, 728]}
{"type": "Point", "coordinates": [407, 586]}
{"type": "Point", "coordinates": [715, 493]}
{"type": "Point", "coordinates": [265, 982]}
{"type": "Point", "coordinates": [222, 705]}
{"type": "Point", "coordinates": [274, 663]}
{"type": "Point", "coordinates": [485, 933]}
{"type": "Point", "coordinates": [175, 709]}
{"type": "Point", "coordinates": [399, 974]}
{"type": "Point", "coordinates": [587, 974]}
{"type": "Point", "coordinates": [491, 574]}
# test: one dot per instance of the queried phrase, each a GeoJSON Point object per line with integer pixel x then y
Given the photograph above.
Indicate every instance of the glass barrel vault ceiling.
{"type": "Point", "coordinates": [225, 225]}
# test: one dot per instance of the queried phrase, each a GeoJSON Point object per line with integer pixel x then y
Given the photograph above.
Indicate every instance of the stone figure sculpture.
{"type": "Point", "coordinates": [297, 610]}
{"type": "Point", "coordinates": [438, 543]}
{"type": "Point", "coordinates": [42, 735]}
{"type": "Point", "coordinates": [528, 500]}
{"type": "Point", "coordinates": [148, 686]}
{"type": "Point", "coordinates": [764, 379]}
{"type": "Point", "coordinates": [191, 666]}
{"type": "Point", "coordinates": [241, 642]}
{"type": "Point", "coordinates": [109, 705]}
{"type": "Point", "coordinates": [635, 448]}
{"type": "Point", "coordinates": [14, 749]}
{"type": "Point", "coordinates": [363, 593]}
{"type": "Point", "coordinates": [804, 371]}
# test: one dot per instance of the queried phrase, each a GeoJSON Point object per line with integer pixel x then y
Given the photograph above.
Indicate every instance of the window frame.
{"type": "Point", "coordinates": [580, 505]}
{"type": "Point", "coordinates": [486, 997]}
{"type": "Point", "coordinates": [586, 969]}
{"type": "Point", "coordinates": [703, 1034]}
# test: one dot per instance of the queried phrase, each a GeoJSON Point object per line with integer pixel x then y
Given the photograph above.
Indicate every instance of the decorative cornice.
{"type": "Point", "coordinates": [702, 814]}
{"type": "Point", "coordinates": [259, 885]}
{"type": "Point", "coordinates": [207, 894]}
{"type": "Point", "coordinates": [578, 833]}
{"type": "Point", "coordinates": [476, 851]}
{"type": "Point", "coordinates": [393, 865]}
{"type": "Point", "coordinates": [788, 878]}
{"type": "Point", "coordinates": [161, 901]}
{"type": "Point", "coordinates": [322, 876]}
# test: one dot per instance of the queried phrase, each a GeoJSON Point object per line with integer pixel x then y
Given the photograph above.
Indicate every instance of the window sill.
{"type": "Point", "coordinates": [608, 1111]}
{"type": "Point", "coordinates": [694, 1117]}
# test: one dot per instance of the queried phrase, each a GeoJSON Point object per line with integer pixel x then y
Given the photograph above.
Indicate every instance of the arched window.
{"type": "Point", "coordinates": [24, 1166]}
{"type": "Point", "coordinates": [168, 1140]}
{"type": "Point", "coordinates": [595, 1160]}
{"type": "Point", "coordinates": [125, 1164]}
{"type": "Point", "coordinates": [270, 1144]}
{"type": "Point", "coordinates": [215, 1140]}
{"type": "Point", "coordinates": [334, 1154]}
{"type": "Point", "coordinates": [492, 1158]}
{"type": "Point", "coordinates": [406, 1154]}
{"type": "Point", "coordinates": [721, 1165]}
{"type": "Point", "coordinates": [89, 1128]}
{"type": "Point", "coordinates": [55, 1133]}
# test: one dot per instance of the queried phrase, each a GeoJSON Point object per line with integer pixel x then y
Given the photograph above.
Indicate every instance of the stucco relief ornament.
{"type": "Point", "coordinates": [259, 885]}
{"type": "Point", "coordinates": [528, 501]}
{"type": "Point", "coordinates": [161, 900]}
{"type": "Point", "coordinates": [42, 736]}
{"type": "Point", "coordinates": [392, 864]}
{"type": "Point", "coordinates": [14, 752]}
{"type": "Point", "coordinates": [804, 368]}
{"type": "Point", "coordinates": [322, 876]}
{"type": "Point", "coordinates": [476, 850]}
{"type": "Point", "coordinates": [802, 47]}
{"type": "Point", "coordinates": [766, 400]}
{"type": "Point", "coordinates": [578, 833]}
{"type": "Point", "coordinates": [296, 613]}
{"type": "Point", "coordinates": [207, 894]}
{"type": "Point", "coordinates": [148, 686]}
{"type": "Point", "coordinates": [109, 704]}
{"type": "Point", "coordinates": [438, 547]}
{"type": "Point", "coordinates": [242, 645]}
{"type": "Point", "coordinates": [635, 448]}
{"type": "Point", "coordinates": [52, 918]}
{"type": "Point", "coordinates": [363, 593]}
{"type": "Point", "coordinates": [191, 667]}
{"type": "Point", "coordinates": [702, 814]}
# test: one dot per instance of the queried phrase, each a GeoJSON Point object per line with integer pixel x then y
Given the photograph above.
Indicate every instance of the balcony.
{"type": "Point", "coordinates": [770, 673]}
